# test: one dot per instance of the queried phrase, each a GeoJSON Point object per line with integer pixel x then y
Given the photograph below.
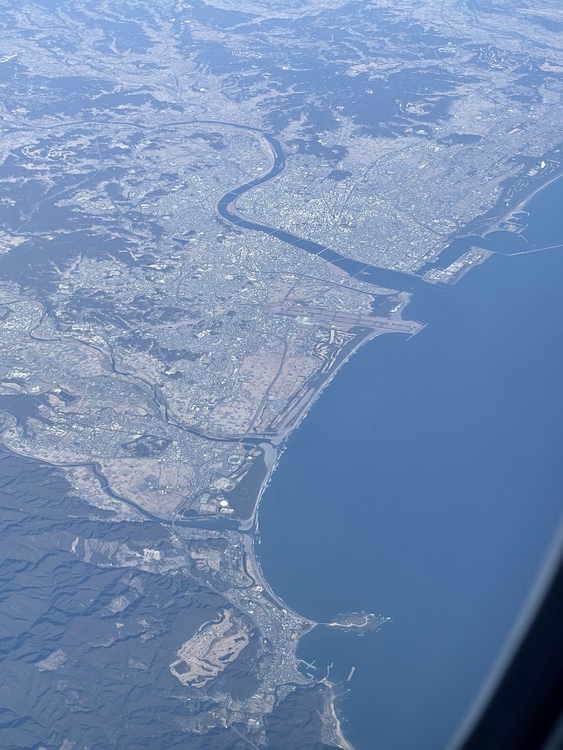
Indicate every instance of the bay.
{"type": "Point", "coordinates": [425, 485]}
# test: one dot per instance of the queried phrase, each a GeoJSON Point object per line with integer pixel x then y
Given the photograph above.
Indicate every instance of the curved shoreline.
{"type": "Point", "coordinates": [226, 207]}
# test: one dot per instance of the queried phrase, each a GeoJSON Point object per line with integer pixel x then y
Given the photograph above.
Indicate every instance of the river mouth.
{"type": "Point", "coordinates": [226, 207]}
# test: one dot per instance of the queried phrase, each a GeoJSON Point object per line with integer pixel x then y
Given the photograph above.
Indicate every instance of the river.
{"type": "Point", "coordinates": [425, 485]}
{"type": "Point", "coordinates": [226, 207]}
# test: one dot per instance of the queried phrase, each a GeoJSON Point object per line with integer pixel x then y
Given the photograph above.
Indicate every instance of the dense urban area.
{"type": "Point", "coordinates": [205, 209]}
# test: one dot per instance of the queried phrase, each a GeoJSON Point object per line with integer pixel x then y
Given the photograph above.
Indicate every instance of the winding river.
{"type": "Point", "coordinates": [226, 207]}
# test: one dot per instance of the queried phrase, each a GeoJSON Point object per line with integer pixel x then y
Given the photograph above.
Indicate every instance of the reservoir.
{"type": "Point", "coordinates": [425, 485]}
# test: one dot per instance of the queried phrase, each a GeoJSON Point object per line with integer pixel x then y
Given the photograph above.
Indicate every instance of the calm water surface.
{"type": "Point", "coordinates": [426, 485]}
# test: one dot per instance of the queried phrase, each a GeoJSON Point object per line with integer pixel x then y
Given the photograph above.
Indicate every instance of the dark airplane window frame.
{"type": "Point", "coordinates": [521, 707]}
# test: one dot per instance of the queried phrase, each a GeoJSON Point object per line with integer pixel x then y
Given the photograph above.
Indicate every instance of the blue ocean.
{"type": "Point", "coordinates": [426, 485]}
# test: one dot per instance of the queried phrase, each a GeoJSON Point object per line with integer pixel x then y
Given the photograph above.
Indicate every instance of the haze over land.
{"type": "Point", "coordinates": [205, 210]}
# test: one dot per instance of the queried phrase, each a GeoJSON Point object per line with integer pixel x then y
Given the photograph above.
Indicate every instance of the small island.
{"type": "Point", "coordinates": [358, 622]}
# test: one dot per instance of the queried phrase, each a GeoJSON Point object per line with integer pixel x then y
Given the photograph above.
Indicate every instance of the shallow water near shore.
{"type": "Point", "coordinates": [425, 485]}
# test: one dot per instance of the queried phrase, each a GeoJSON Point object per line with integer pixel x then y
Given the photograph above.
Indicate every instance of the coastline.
{"type": "Point", "coordinates": [492, 221]}
{"type": "Point", "coordinates": [332, 725]}
{"type": "Point", "coordinates": [273, 449]}
{"type": "Point", "coordinates": [331, 719]}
